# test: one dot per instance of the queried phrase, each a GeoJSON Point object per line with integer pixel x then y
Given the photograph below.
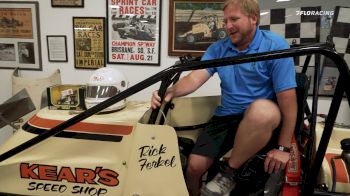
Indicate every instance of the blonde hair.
{"type": "Point", "coordinates": [249, 7]}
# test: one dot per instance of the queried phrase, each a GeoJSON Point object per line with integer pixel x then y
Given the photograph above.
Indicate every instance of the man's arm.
{"type": "Point", "coordinates": [287, 101]}
{"type": "Point", "coordinates": [276, 160]}
{"type": "Point", "coordinates": [184, 86]}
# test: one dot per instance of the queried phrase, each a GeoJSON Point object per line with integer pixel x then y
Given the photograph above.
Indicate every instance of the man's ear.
{"type": "Point", "coordinates": [254, 19]}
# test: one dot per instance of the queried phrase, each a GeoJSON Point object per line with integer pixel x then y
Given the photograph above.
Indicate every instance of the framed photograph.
{"type": "Point", "coordinates": [57, 48]}
{"type": "Point", "coordinates": [20, 35]}
{"type": "Point", "coordinates": [329, 79]}
{"type": "Point", "coordinates": [89, 42]}
{"type": "Point", "coordinates": [67, 3]}
{"type": "Point", "coordinates": [194, 25]}
{"type": "Point", "coordinates": [134, 32]}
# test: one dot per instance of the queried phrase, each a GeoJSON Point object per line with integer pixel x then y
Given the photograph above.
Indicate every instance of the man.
{"type": "Point", "coordinates": [25, 53]}
{"type": "Point", "coordinates": [256, 98]}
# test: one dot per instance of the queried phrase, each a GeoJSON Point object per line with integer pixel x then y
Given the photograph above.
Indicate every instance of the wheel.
{"type": "Point", "coordinates": [179, 38]}
{"type": "Point", "coordinates": [221, 34]}
{"type": "Point", "coordinates": [116, 26]}
{"type": "Point", "coordinates": [122, 34]}
{"type": "Point", "coordinates": [190, 38]}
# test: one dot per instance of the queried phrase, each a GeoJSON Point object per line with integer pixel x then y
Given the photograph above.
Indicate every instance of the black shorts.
{"type": "Point", "coordinates": [218, 137]}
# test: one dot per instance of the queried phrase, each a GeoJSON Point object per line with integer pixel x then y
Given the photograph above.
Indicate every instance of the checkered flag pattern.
{"type": "Point", "coordinates": [340, 33]}
{"type": "Point", "coordinates": [125, 16]}
{"type": "Point", "coordinates": [294, 27]}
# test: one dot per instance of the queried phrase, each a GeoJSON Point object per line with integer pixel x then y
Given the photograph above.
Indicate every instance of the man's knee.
{"type": "Point", "coordinates": [264, 112]}
{"type": "Point", "coordinates": [198, 165]}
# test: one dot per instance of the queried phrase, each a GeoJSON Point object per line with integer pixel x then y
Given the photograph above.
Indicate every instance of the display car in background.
{"type": "Point", "coordinates": [210, 28]}
{"type": "Point", "coordinates": [142, 152]}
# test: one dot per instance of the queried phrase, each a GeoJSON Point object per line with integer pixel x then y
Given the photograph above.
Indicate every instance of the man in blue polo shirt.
{"type": "Point", "coordinates": [256, 99]}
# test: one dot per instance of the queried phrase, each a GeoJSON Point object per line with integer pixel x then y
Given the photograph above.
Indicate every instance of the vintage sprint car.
{"type": "Point", "coordinates": [142, 152]}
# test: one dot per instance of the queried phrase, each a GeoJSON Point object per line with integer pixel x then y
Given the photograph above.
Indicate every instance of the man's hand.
{"type": "Point", "coordinates": [156, 100]}
{"type": "Point", "coordinates": [184, 86]}
{"type": "Point", "coordinates": [276, 160]}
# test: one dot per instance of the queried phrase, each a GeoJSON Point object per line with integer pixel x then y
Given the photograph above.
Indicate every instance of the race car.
{"type": "Point", "coordinates": [138, 151]}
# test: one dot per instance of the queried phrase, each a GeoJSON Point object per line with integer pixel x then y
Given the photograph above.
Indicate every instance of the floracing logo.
{"type": "Point", "coordinates": [50, 173]}
{"type": "Point", "coordinates": [315, 13]}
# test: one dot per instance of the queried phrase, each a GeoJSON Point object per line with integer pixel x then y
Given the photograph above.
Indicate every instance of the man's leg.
{"type": "Point", "coordinates": [215, 140]}
{"type": "Point", "coordinates": [197, 166]}
{"type": "Point", "coordinates": [254, 131]}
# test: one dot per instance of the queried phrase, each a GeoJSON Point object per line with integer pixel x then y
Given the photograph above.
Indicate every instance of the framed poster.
{"type": "Point", "coordinates": [20, 35]}
{"type": "Point", "coordinates": [57, 48]}
{"type": "Point", "coordinates": [67, 3]}
{"type": "Point", "coordinates": [194, 25]}
{"type": "Point", "coordinates": [134, 32]}
{"type": "Point", "coordinates": [89, 42]}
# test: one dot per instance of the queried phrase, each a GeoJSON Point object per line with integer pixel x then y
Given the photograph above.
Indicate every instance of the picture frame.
{"type": "Point", "coordinates": [20, 35]}
{"type": "Point", "coordinates": [67, 3]}
{"type": "Point", "coordinates": [57, 48]}
{"type": "Point", "coordinates": [328, 81]}
{"type": "Point", "coordinates": [89, 42]}
{"type": "Point", "coordinates": [194, 25]}
{"type": "Point", "coordinates": [328, 78]}
{"type": "Point", "coordinates": [134, 32]}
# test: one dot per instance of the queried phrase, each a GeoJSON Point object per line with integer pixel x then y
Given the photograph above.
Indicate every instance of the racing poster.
{"type": "Point", "coordinates": [134, 31]}
{"type": "Point", "coordinates": [89, 42]}
{"type": "Point", "coordinates": [16, 23]}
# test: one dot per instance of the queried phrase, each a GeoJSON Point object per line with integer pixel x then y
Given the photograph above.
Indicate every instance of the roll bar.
{"type": "Point", "coordinates": [167, 74]}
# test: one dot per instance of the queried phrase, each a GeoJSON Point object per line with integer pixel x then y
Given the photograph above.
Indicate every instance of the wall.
{"type": "Point", "coordinates": [324, 103]}
{"type": "Point", "coordinates": [58, 21]}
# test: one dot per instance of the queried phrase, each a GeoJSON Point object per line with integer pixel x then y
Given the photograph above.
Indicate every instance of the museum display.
{"type": "Point", "coordinates": [135, 152]}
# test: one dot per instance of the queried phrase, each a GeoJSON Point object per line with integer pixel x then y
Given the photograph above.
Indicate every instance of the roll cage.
{"type": "Point", "coordinates": [172, 74]}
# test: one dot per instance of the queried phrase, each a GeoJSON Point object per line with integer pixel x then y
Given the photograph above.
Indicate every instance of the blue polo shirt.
{"type": "Point", "coordinates": [241, 84]}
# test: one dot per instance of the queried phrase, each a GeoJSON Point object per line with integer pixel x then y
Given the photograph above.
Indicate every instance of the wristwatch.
{"type": "Point", "coordinates": [283, 148]}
